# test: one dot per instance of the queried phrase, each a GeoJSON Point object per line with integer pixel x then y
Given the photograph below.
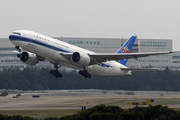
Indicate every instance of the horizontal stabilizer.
{"type": "Point", "coordinates": [138, 69]}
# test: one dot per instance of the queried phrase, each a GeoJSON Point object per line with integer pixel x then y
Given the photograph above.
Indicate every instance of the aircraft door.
{"type": "Point", "coordinates": [50, 49]}
{"type": "Point", "coordinates": [51, 52]}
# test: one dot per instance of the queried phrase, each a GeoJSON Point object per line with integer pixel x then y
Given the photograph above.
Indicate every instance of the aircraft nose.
{"type": "Point", "coordinates": [11, 37]}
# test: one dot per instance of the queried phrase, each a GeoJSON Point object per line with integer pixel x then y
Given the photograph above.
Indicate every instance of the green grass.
{"type": "Point", "coordinates": [167, 101]}
{"type": "Point", "coordinates": [162, 101]}
{"type": "Point", "coordinates": [40, 114]}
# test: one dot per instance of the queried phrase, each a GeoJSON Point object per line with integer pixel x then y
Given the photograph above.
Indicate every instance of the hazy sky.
{"type": "Point", "coordinates": [153, 19]}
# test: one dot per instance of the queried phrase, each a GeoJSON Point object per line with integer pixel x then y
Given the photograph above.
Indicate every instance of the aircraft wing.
{"type": "Point", "coordinates": [104, 57]}
{"type": "Point", "coordinates": [138, 69]}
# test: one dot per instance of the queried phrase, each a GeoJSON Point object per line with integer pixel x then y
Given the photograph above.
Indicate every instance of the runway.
{"type": "Point", "coordinates": [53, 102]}
{"type": "Point", "coordinates": [75, 99]}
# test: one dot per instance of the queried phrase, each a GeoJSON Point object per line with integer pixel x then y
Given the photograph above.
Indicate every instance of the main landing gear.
{"type": "Point", "coordinates": [85, 74]}
{"type": "Point", "coordinates": [55, 72]}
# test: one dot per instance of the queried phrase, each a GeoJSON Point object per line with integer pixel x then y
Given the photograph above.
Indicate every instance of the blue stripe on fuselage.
{"type": "Point", "coordinates": [104, 65]}
{"type": "Point", "coordinates": [25, 39]}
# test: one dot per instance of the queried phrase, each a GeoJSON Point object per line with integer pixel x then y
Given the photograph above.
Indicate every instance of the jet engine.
{"type": "Point", "coordinates": [80, 58]}
{"type": "Point", "coordinates": [28, 58]}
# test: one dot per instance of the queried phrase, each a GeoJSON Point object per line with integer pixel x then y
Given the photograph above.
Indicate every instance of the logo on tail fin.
{"type": "Point", "coordinates": [125, 50]}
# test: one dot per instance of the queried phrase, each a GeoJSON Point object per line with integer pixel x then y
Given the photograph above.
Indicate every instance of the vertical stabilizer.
{"type": "Point", "coordinates": [126, 48]}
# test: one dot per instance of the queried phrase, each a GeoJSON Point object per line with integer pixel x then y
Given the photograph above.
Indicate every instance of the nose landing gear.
{"type": "Point", "coordinates": [17, 47]}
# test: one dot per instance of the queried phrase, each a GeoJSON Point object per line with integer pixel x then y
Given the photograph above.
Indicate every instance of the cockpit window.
{"type": "Point", "coordinates": [17, 33]}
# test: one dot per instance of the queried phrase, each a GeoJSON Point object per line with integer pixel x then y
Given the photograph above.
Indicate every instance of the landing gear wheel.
{"type": "Point", "coordinates": [51, 71]}
{"type": "Point", "coordinates": [56, 73]}
{"type": "Point", "coordinates": [80, 72]}
{"type": "Point", "coordinates": [18, 55]}
{"type": "Point", "coordinates": [85, 74]}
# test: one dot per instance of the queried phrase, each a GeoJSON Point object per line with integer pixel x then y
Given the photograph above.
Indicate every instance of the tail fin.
{"type": "Point", "coordinates": [126, 48]}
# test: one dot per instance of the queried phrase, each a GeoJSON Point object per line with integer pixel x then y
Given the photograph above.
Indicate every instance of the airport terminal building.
{"type": "Point", "coordinates": [104, 45]}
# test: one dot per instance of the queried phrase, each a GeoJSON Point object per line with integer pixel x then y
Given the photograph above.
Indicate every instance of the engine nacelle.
{"type": "Point", "coordinates": [81, 58]}
{"type": "Point", "coordinates": [28, 58]}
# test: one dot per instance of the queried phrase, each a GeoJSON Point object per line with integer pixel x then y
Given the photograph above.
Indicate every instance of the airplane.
{"type": "Point", "coordinates": [34, 47]}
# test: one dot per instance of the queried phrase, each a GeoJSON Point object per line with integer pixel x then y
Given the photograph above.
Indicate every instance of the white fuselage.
{"type": "Point", "coordinates": [51, 49]}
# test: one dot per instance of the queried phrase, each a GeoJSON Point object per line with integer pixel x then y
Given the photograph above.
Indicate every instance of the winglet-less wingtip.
{"type": "Point", "coordinates": [171, 52]}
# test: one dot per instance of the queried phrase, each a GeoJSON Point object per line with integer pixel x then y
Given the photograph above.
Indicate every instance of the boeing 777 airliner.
{"type": "Point", "coordinates": [34, 47]}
